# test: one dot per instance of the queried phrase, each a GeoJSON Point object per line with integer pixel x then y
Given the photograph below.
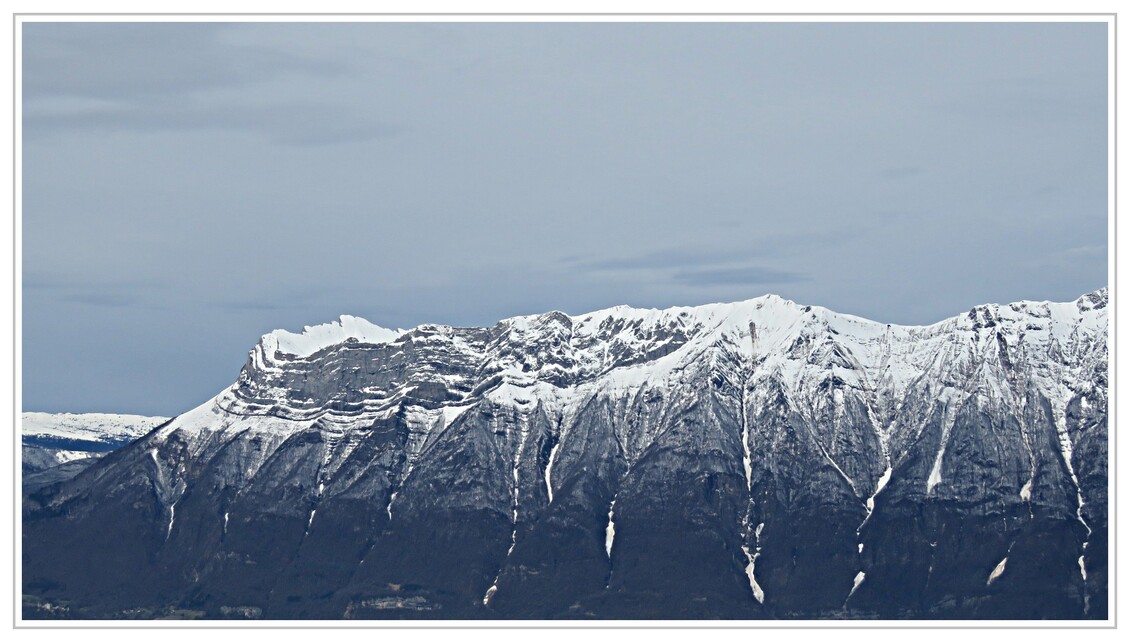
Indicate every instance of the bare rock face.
{"type": "Point", "coordinates": [750, 460]}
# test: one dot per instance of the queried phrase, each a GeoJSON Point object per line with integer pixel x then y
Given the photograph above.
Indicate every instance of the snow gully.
{"type": "Point", "coordinates": [751, 565]}
{"type": "Point", "coordinates": [515, 493]}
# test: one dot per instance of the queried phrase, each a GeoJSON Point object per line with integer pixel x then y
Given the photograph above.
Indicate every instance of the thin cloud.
{"type": "Point", "coordinates": [179, 78]}
{"type": "Point", "coordinates": [749, 275]}
{"type": "Point", "coordinates": [131, 61]}
{"type": "Point", "coordinates": [691, 260]}
{"type": "Point", "coordinates": [898, 173]}
{"type": "Point", "coordinates": [300, 124]}
{"type": "Point", "coordinates": [1075, 256]}
{"type": "Point", "coordinates": [102, 299]}
{"type": "Point", "coordinates": [40, 280]}
{"type": "Point", "coordinates": [664, 259]}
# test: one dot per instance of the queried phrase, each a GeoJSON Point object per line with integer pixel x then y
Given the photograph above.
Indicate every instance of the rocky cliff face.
{"type": "Point", "coordinates": [759, 459]}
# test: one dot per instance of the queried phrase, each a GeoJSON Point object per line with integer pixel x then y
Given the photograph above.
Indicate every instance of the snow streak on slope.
{"type": "Point", "coordinates": [549, 471]}
{"type": "Point", "coordinates": [751, 558]}
{"type": "Point", "coordinates": [997, 571]}
{"type": "Point", "coordinates": [751, 565]}
{"type": "Point", "coordinates": [859, 577]}
{"type": "Point", "coordinates": [883, 480]}
{"type": "Point", "coordinates": [515, 492]}
{"type": "Point", "coordinates": [610, 530]}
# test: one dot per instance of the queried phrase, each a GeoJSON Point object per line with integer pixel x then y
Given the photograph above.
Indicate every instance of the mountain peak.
{"type": "Point", "coordinates": [319, 337]}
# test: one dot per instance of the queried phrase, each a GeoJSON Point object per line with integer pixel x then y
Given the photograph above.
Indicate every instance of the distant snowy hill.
{"type": "Point", "coordinates": [53, 439]}
{"type": "Point", "coordinates": [95, 432]}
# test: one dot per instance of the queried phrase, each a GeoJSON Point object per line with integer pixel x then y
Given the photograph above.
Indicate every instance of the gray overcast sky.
{"type": "Point", "coordinates": [188, 187]}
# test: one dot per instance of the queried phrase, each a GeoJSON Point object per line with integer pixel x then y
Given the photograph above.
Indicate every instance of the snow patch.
{"type": "Point", "coordinates": [1067, 453]}
{"type": "Point", "coordinates": [64, 456]}
{"type": "Point", "coordinates": [549, 470]}
{"type": "Point", "coordinates": [886, 477]}
{"type": "Point", "coordinates": [490, 593]}
{"type": "Point", "coordinates": [935, 477]}
{"type": "Point", "coordinates": [610, 530]}
{"type": "Point", "coordinates": [515, 499]}
{"type": "Point", "coordinates": [747, 458]}
{"type": "Point", "coordinates": [172, 518]}
{"type": "Point", "coordinates": [758, 593]}
{"type": "Point", "coordinates": [391, 499]}
{"type": "Point", "coordinates": [1026, 491]}
{"type": "Point", "coordinates": [318, 337]}
{"type": "Point", "coordinates": [949, 419]}
{"type": "Point", "coordinates": [751, 558]}
{"type": "Point", "coordinates": [451, 413]}
{"type": "Point", "coordinates": [859, 577]}
{"type": "Point", "coordinates": [879, 486]}
{"type": "Point", "coordinates": [997, 571]}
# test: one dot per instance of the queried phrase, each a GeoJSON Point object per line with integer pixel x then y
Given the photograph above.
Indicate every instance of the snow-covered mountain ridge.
{"type": "Point", "coordinates": [548, 356]}
{"type": "Point", "coordinates": [771, 458]}
{"type": "Point", "coordinates": [772, 312]}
